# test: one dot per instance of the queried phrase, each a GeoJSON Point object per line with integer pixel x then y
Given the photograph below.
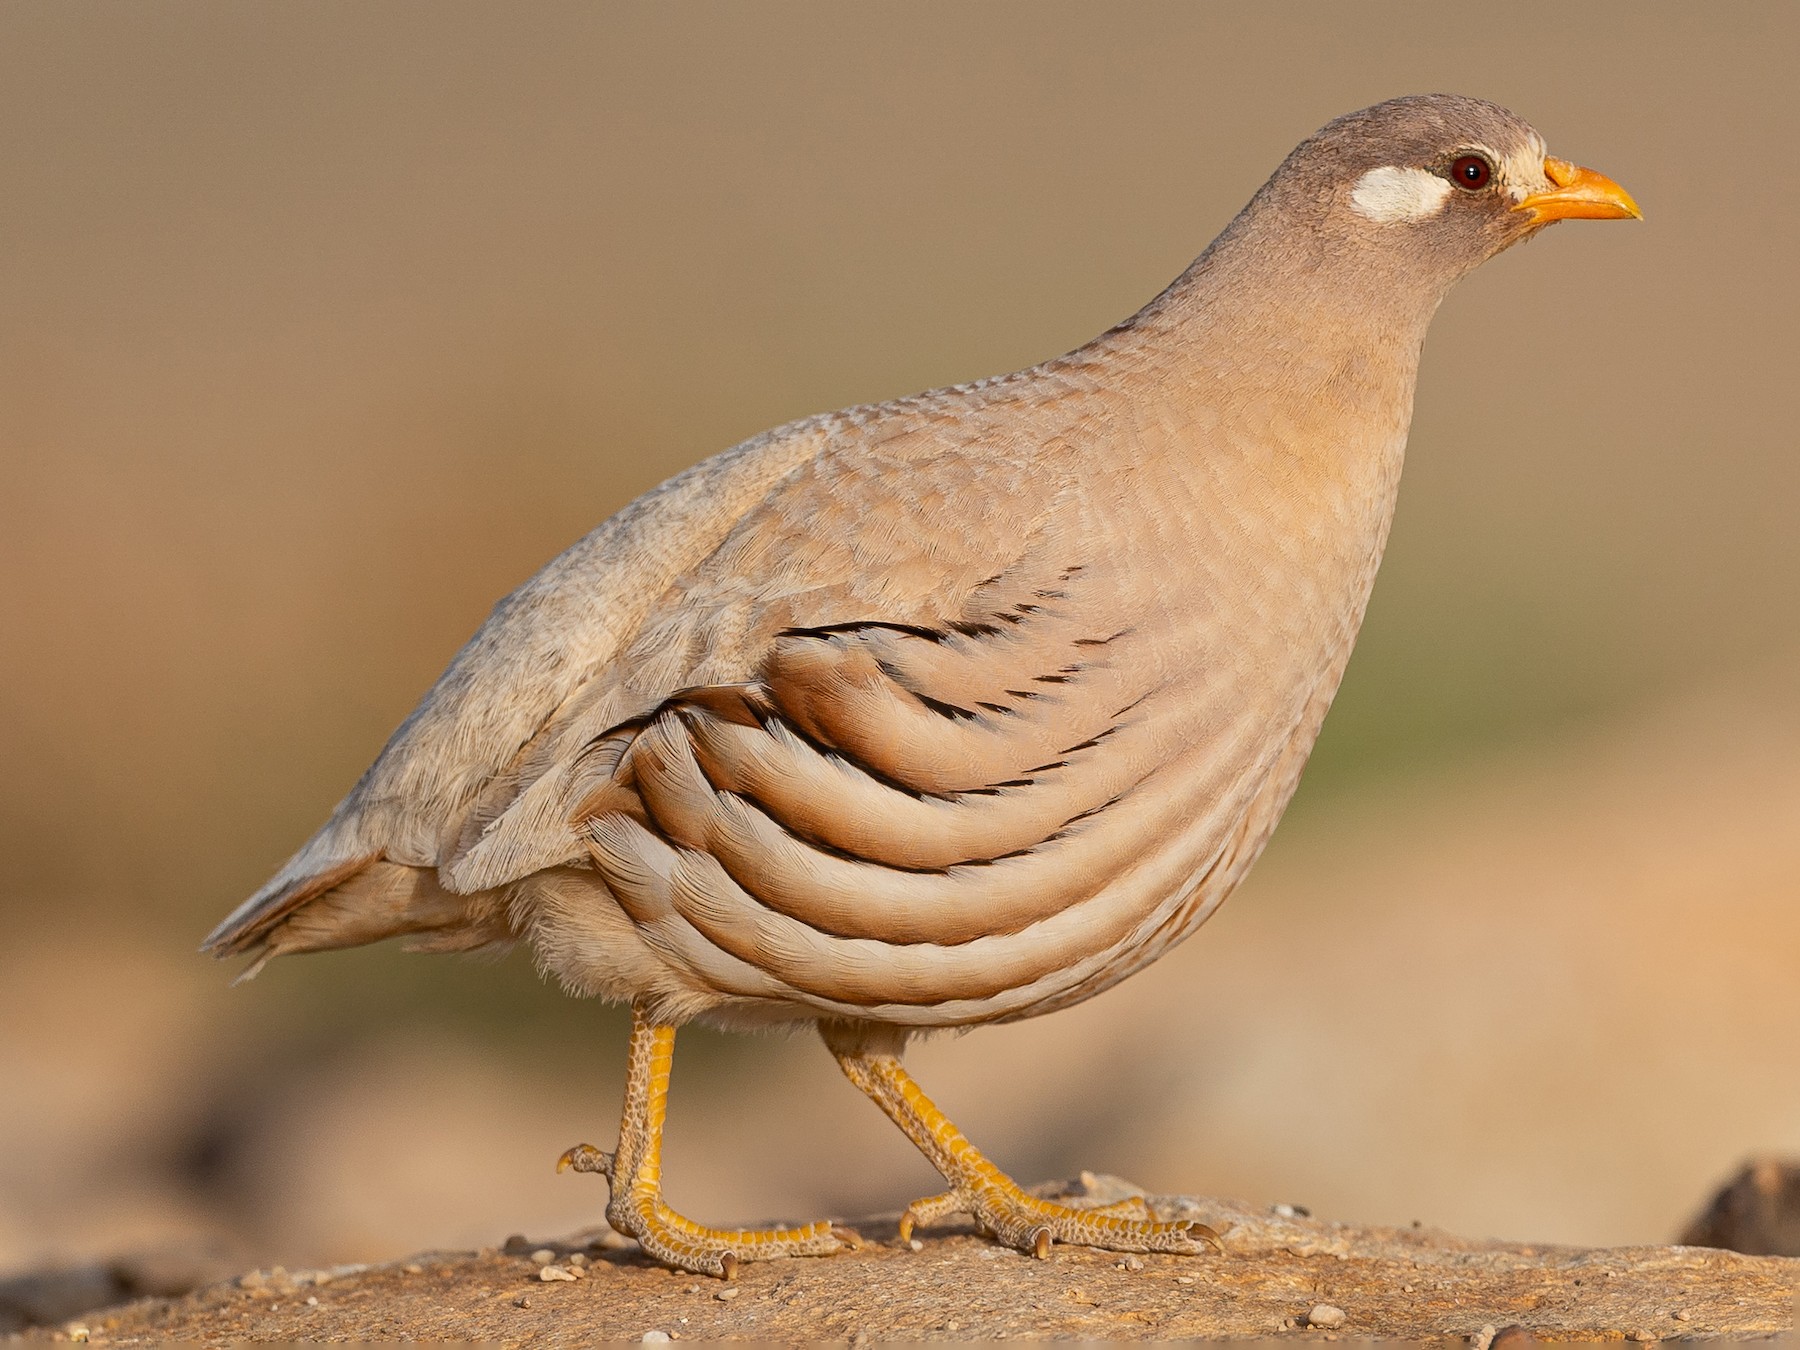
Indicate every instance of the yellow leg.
{"type": "Point", "coordinates": [980, 1189]}
{"type": "Point", "coordinates": [634, 1173]}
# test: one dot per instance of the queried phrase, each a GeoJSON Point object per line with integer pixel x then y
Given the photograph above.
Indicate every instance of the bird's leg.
{"type": "Point", "coordinates": [634, 1173]}
{"type": "Point", "coordinates": [980, 1189]}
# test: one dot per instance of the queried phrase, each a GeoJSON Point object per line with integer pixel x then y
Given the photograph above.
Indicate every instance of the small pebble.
{"type": "Point", "coordinates": [1131, 1263]}
{"type": "Point", "coordinates": [549, 1273]}
{"type": "Point", "coordinates": [1184, 1279]}
{"type": "Point", "coordinates": [653, 1337]}
{"type": "Point", "coordinates": [413, 1268]}
{"type": "Point", "coordinates": [521, 1302]}
{"type": "Point", "coordinates": [1681, 1315]}
{"type": "Point", "coordinates": [916, 1245]}
{"type": "Point", "coordinates": [1482, 1339]}
{"type": "Point", "coordinates": [726, 1295]}
{"type": "Point", "coordinates": [543, 1256]}
{"type": "Point", "coordinates": [1326, 1316]}
{"type": "Point", "coordinates": [312, 1300]}
{"type": "Point", "coordinates": [578, 1259]}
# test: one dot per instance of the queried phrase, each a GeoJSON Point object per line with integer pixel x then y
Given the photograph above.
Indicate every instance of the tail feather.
{"type": "Point", "coordinates": [251, 922]}
{"type": "Point", "coordinates": [359, 901]}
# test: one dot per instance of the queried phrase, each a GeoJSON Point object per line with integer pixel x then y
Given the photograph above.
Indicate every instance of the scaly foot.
{"type": "Point", "coordinates": [980, 1189]}
{"type": "Point", "coordinates": [1029, 1224]}
{"type": "Point", "coordinates": [636, 1210]}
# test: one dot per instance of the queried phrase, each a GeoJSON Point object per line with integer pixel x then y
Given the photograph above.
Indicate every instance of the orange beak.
{"type": "Point", "coordinates": [1579, 194]}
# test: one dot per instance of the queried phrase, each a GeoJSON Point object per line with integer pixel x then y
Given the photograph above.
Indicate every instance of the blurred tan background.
{"type": "Point", "coordinates": [322, 326]}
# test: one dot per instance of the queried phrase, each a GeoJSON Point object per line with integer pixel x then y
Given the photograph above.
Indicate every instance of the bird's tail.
{"type": "Point", "coordinates": [358, 901]}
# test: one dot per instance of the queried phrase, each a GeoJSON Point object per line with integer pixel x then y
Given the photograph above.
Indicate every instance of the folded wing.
{"type": "Point", "coordinates": [918, 822]}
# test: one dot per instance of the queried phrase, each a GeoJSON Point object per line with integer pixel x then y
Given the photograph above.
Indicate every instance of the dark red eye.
{"type": "Point", "coordinates": [1471, 172]}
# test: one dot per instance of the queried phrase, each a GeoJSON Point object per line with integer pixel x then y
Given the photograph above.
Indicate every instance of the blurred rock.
{"type": "Point", "coordinates": [41, 1298]}
{"type": "Point", "coordinates": [1757, 1212]}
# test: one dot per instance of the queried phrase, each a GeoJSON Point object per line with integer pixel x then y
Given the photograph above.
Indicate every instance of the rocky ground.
{"type": "Point", "coordinates": [1281, 1274]}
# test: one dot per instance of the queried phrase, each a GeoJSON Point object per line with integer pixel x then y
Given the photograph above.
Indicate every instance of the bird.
{"type": "Point", "coordinates": [950, 710]}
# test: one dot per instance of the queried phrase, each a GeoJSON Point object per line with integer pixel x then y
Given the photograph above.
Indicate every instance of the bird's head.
{"type": "Point", "coordinates": [1434, 184]}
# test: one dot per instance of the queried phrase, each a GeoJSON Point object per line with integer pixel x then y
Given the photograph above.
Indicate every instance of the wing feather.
{"type": "Point", "coordinates": [833, 831]}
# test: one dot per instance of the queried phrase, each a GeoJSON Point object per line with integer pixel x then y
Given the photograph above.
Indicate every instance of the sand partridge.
{"type": "Point", "coordinates": [950, 710]}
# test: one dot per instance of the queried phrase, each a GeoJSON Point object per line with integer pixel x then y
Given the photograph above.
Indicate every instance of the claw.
{"type": "Point", "coordinates": [1201, 1233]}
{"type": "Point", "coordinates": [728, 1265]}
{"type": "Point", "coordinates": [586, 1158]}
{"type": "Point", "coordinates": [1040, 1244]}
{"type": "Point", "coordinates": [932, 1208]}
{"type": "Point", "coordinates": [852, 1240]}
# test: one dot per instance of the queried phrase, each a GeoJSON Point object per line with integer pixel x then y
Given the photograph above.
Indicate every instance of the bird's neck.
{"type": "Point", "coordinates": [1290, 321]}
{"type": "Point", "coordinates": [1271, 387]}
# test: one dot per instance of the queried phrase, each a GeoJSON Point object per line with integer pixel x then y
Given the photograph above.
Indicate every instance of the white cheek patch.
{"type": "Point", "coordinates": [1391, 194]}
